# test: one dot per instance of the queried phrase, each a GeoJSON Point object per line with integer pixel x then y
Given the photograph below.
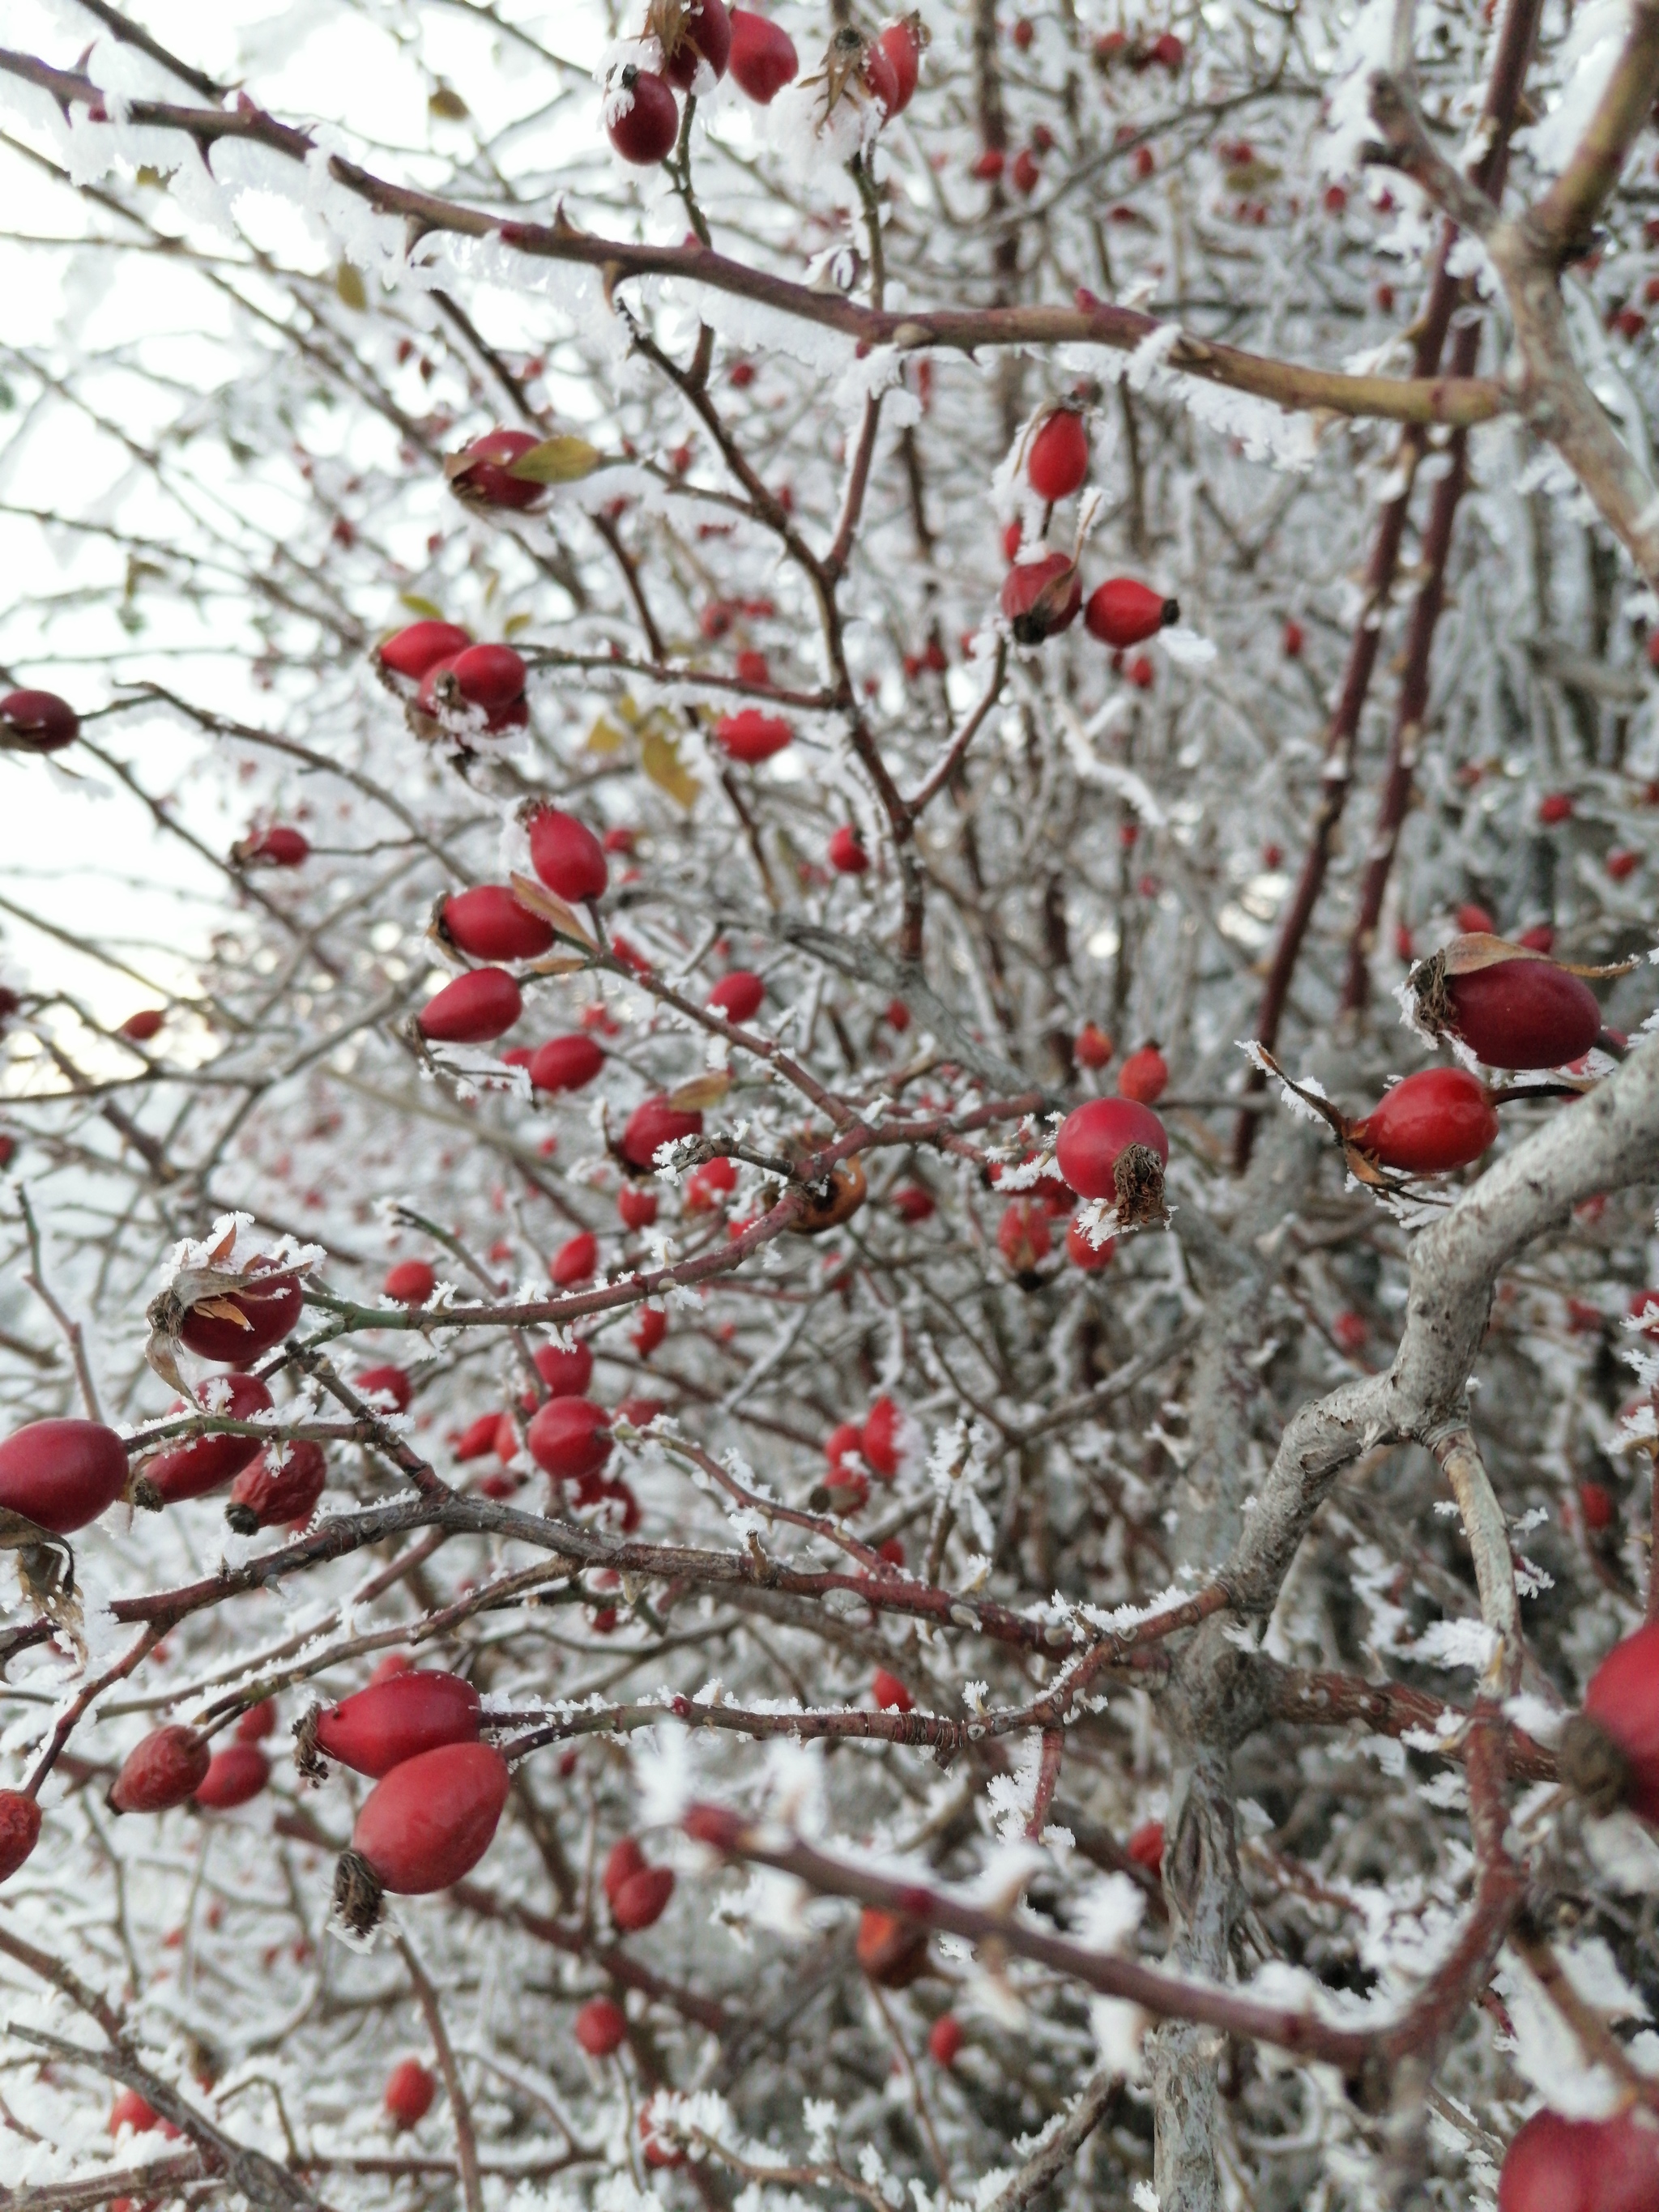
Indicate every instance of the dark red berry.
{"type": "Point", "coordinates": [764, 61]}
{"type": "Point", "coordinates": [642, 1899]}
{"type": "Point", "coordinates": [1557, 2165]}
{"type": "Point", "coordinates": [705, 35]}
{"type": "Point", "coordinates": [847, 853]}
{"type": "Point", "coordinates": [1146, 1845]}
{"type": "Point", "coordinates": [170, 1765]}
{"type": "Point", "coordinates": [474, 1009]}
{"type": "Point", "coordinates": [653, 1124]}
{"type": "Point", "coordinates": [1042, 597]}
{"type": "Point", "coordinates": [1524, 1013]}
{"type": "Point", "coordinates": [481, 473]}
{"type": "Point", "coordinates": [1123, 612]}
{"type": "Point", "coordinates": [192, 1470]}
{"type": "Point", "coordinates": [1434, 1121]}
{"type": "Point", "coordinates": [890, 1693]}
{"type": "Point", "coordinates": [643, 120]}
{"type": "Point", "coordinates": [601, 2025]}
{"type": "Point", "coordinates": [892, 1951]}
{"type": "Point", "coordinates": [266, 1308]}
{"type": "Point", "coordinates": [410, 1282]}
{"type": "Point", "coordinates": [431, 1819]}
{"type": "Point", "coordinates": [393, 1382]}
{"type": "Point", "coordinates": [569, 1438]}
{"type": "Point", "coordinates": [409, 2090]}
{"type": "Point", "coordinates": [566, 1063]}
{"type": "Point", "coordinates": [1144, 1075]}
{"type": "Point", "coordinates": [899, 44]}
{"type": "Point", "coordinates": [278, 846]}
{"type": "Point", "coordinates": [265, 1493]}
{"type": "Point", "coordinates": [566, 855]}
{"type": "Point", "coordinates": [1058, 460]}
{"type": "Point", "coordinates": [235, 1774]}
{"type": "Point", "coordinates": [567, 1369]}
{"type": "Point", "coordinates": [574, 1260]}
{"type": "Point", "coordinates": [738, 995]}
{"type": "Point", "coordinates": [20, 1830]}
{"type": "Point", "coordinates": [488, 923]}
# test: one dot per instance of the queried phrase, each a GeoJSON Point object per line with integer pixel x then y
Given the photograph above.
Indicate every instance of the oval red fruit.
{"type": "Point", "coordinates": [1144, 1075]}
{"type": "Point", "coordinates": [410, 1282]}
{"type": "Point", "coordinates": [642, 120]}
{"type": "Point", "coordinates": [847, 853]}
{"type": "Point", "coordinates": [1556, 2165]}
{"type": "Point", "coordinates": [653, 1124]}
{"type": "Point", "coordinates": [1623, 1700]}
{"type": "Point", "coordinates": [1042, 597]}
{"type": "Point", "coordinates": [1146, 1845]}
{"type": "Point", "coordinates": [1057, 459]}
{"type": "Point", "coordinates": [381, 1727]}
{"type": "Point", "coordinates": [764, 61]}
{"type": "Point", "coordinates": [1123, 612]}
{"type": "Point", "coordinates": [601, 2027]}
{"type": "Point", "coordinates": [1023, 1235]}
{"type": "Point", "coordinates": [477, 1437]}
{"type": "Point", "coordinates": [738, 995]}
{"type": "Point", "coordinates": [642, 1898]}
{"type": "Point", "coordinates": [752, 736]}
{"type": "Point", "coordinates": [489, 676]}
{"type": "Point", "coordinates": [1094, 1138]}
{"type": "Point", "coordinates": [37, 722]}
{"type": "Point", "coordinates": [264, 1494]}
{"type": "Point", "coordinates": [879, 1438]}
{"type": "Point", "coordinates": [1475, 922]}
{"type": "Point", "coordinates": [567, 1369]}
{"type": "Point", "coordinates": [574, 1260]}
{"type": "Point", "coordinates": [61, 1474]}
{"type": "Point", "coordinates": [944, 2040]}
{"type": "Point", "coordinates": [412, 651]}
{"type": "Point", "coordinates": [898, 42]}
{"type": "Point", "coordinates": [190, 1470]}
{"type": "Point", "coordinates": [170, 1765]}
{"type": "Point", "coordinates": [20, 1830]}
{"type": "Point", "coordinates": [623, 1862]}
{"type": "Point", "coordinates": [911, 1202]}
{"type": "Point", "coordinates": [1524, 1014]}
{"type": "Point", "coordinates": [278, 846]}
{"type": "Point", "coordinates": [569, 1438]}
{"type": "Point", "coordinates": [706, 36]}
{"type": "Point", "coordinates": [1093, 1046]}
{"type": "Point", "coordinates": [238, 1773]}
{"type": "Point", "coordinates": [431, 1819]}
{"type": "Point", "coordinates": [566, 1063]}
{"type": "Point", "coordinates": [1090, 1258]}
{"type": "Point", "coordinates": [409, 2090]}
{"type": "Point", "coordinates": [566, 855]}
{"type": "Point", "coordinates": [1436, 1120]}
{"type": "Point", "coordinates": [269, 1307]}
{"type": "Point", "coordinates": [257, 1722]}
{"type": "Point", "coordinates": [637, 1207]}
{"type": "Point", "coordinates": [474, 1009]}
{"type": "Point", "coordinates": [393, 1382]}
{"type": "Point", "coordinates": [140, 1027]}
{"type": "Point", "coordinates": [889, 1692]}
{"type": "Point", "coordinates": [482, 474]}
{"type": "Point", "coordinates": [488, 923]}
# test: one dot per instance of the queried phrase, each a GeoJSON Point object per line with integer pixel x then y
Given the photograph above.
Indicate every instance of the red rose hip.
{"type": "Point", "coordinates": [410, 1282]}
{"type": "Point", "coordinates": [763, 60]}
{"type": "Point", "coordinates": [653, 1124]}
{"type": "Point", "coordinates": [488, 923]}
{"type": "Point", "coordinates": [1123, 612]}
{"type": "Point", "coordinates": [61, 1474]}
{"type": "Point", "coordinates": [601, 2027]}
{"type": "Point", "coordinates": [390, 1722]}
{"type": "Point", "coordinates": [266, 1308]}
{"type": "Point", "coordinates": [1434, 1121]}
{"type": "Point", "coordinates": [566, 855]}
{"type": "Point", "coordinates": [20, 1830]}
{"type": "Point", "coordinates": [643, 120]}
{"type": "Point", "coordinates": [1058, 460]}
{"type": "Point", "coordinates": [1522, 1013]}
{"type": "Point", "coordinates": [739, 995]}
{"type": "Point", "coordinates": [1041, 598]}
{"type": "Point", "coordinates": [192, 1470]}
{"type": "Point", "coordinates": [266, 1493]}
{"type": "Point", "coordinates": [37, 722]}
{"type": "Point", "coordinates": [569, 1438]}
{"type": "Point", "coordinates": [750, 736]}
{"type": "Point", "coordinates": [409, 2090]}
{"type": "Point", "coordinates": [412, 651]}
{"type": "Point", "coordinates": [481, 473]}
{"type": "Point", "coordinates": [1117, 1149]}
{"type": "Point", "coordinates": [474, 1009]}
{"type": "Point", "coordinates": [566, 1063]}
{"type": "Point", "coordinates": [567, 1369]}
{"type": "Point", "coordinates": [234, 1775]}
{"type": "Point", "coordinates": [169, 1766]}
{"type": "Point", "coordinates": [422, 1828]}
{"type": "Point", "coordinates": [1557, 2165]}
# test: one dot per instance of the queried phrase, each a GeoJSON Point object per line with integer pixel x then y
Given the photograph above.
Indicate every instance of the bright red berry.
{"type": "Point", "coordinates": [738, 995]}
{"type": "Point", "coordinates": [409, 2090]}
{"type": "Point", "coordinates": [763, 57]}
{"type": "Point", "coordinates": [1093, 1046]}
{"type": "Point", "coordinates": [567, 1369]}
{"type": "Point", "coordinates": [602, 2026]}
{"type": "Point", "coordinates": [1094, 1138]}
{"type": "Point", "coordinates": [1434, 1121]}
{"type": "Point", "coordinates": [381, 1727]}
{"type": "Point", "coordinates": [890, 1693]}
{"type": "Point", "coordinates": [431, 1819]}
{"type": "Point", "coordinates": [752, 736]}
{"type": "Point", "coordinates": [192, 1470]}
{"type": "Point", "coordinates": [566, 1063]}
{"type": "Point", "coordinates": [649, 1331]}
{"type": "Point", "coordinates": [37, 722]}
{"type": "Point", "coordinates": [1057, 459]}
{"type": "Point", "coordinates": [898, 42]}
{"type": "Point", "coordinates": [474, 1009]}
{"type": "Point", "coordinates": [488, 923]}
{"type": "Point", "coordinates": [637, 1207]}
{"type": "Point", "coordinates": [574, 1260]}
{"type": "Point", "coordinates": [140, 1027]}
{"type": "Point", "coordinates": [20, 1830]}
{"type": "Point", "coordinates": [1023, 1237]}
{"type": "Point", "coordinates": [1524, 1014]}
{"type": "Point", "coordinates": [1025, 174]}
{"type": "Point", "coordinates": [1042, 597]}
{"type": "Point", "coordinates": [61, 1474]}
{"type": "Point", "coordinates": [266, 1308]}
{"type": "Point", "coordinates": [258, 1722]}
{"type": "Point", "coordinates": [169, 1765]}
{"type": "Point", "coordinates": [1556, 2165]}
{"type": "Point", "coordinates": [987, 167]}
{"type": "Point", "coordinates": [911, 1202]}
{"type": "Point", "coordinates": [1090, 1258]}
{"type": "Point", "coordinates": [643, 118]}
{"type": "Point", "coordinates": [410, 1282]}
{"type": "Point", "coordinates": [278, 846]}
{"type": "Point", "coordinates": [653, 1124]}
{"type": "Point", "coordinates": [881, 1438]}
{"type": "Point", "coordinates": [423, 645]}
{"type": "Point", "coordinates": [847, 853]}
{"type": "Point", "coordinates": [478, 1438]}
{"type": "Point", "coordinates": [642, 1899]}
{"type": "Point", "coordinates": [569, 1438]}
{"type": "Point", "coordinates": [1123, 611]}
{"type": "Point", "coordinates": [1474, 921]}
{"type": "Point", "coordinates": [482, 472]}
{"type": "Point", "coordinates": [1144, 1075]}
{"type": "Point", "coordinates": [265, 1493]}
{"type": "Point", "coordinates": [131, 2111]}
{"type": "Point", "coordinates": [566, 855]}
{"type": "Point", "coordinates": [1146, 1845]}
{"type": "Point", "coordinates": [389, 1383]}
{"type": "Point", "coordinates": [235, 1774]}
{"type": "Point", "coordinates": [944, 2040]}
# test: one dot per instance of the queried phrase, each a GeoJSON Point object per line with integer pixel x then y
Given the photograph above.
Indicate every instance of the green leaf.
{"type": "Point", "coordinates": [428, 610]}
{"type": "Point", "coordinates": [514, 623]}
{"type": "Point", "coordinates": [557, 460]}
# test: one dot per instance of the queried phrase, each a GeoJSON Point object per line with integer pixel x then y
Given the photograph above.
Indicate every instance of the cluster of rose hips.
{"type": "Point", "coordinates": [640, 113]}
{"type": "Point", "coordinates": [1042, 594]}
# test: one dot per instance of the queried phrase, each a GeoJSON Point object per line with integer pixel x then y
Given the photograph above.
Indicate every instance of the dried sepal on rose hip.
{"type": "Point", "coordinates": [1117, 1149]}
{"type": "Point", "coordinates": [222, 1309]}
{"type": "Point", "coordinates": [1511, 1005]}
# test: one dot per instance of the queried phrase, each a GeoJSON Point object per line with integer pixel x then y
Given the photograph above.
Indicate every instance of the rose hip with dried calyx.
{"type": "Point", "coordinates": [1117, 1149]}
{"type": "Point", "coordinates": [381, 1727]}
{"type": "Point", "coordinates": [421, 1828]}
{"type": "Point", "coordinates": [1435, 1121]}
{"type": "Point", "coordinates": [165, 1768]}
{"type": "Point", "coordinates": [1514, 1008]}
{"type": "Point", "coordinates": [233, 1326]}
{"type": "Point", "coordinates": [266, 1493]}
{"type": "Point", "coordinates": [1041, 598]}
{"type": "Point", "coordinates": [482, 473]}
{"type": "Point", "coordinates": [643, 119]}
